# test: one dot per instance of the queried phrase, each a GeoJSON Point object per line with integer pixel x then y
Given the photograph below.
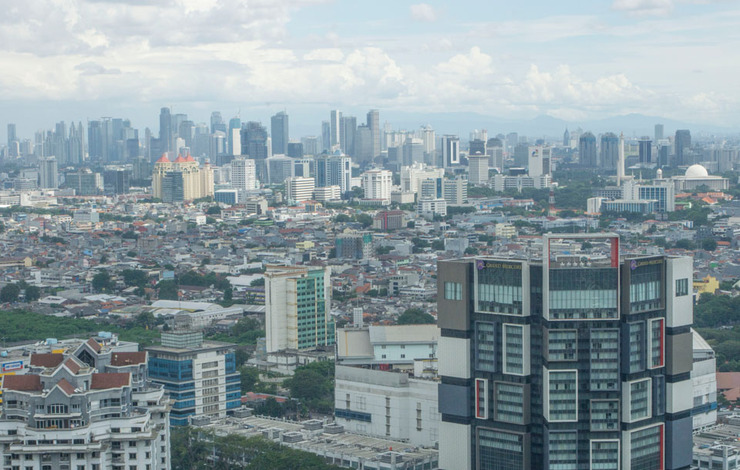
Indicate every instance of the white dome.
{"type": "Point", "coordinates": [696, 171]}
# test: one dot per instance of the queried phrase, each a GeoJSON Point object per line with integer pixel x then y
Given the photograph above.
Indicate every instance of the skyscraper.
{"type": "Point", "coordinates": [363, 145]}
{"type": "Point", "coordinates": [243, 174]}
{"type": "Point", "coordinates": [279, 133]}
{"type": "Point", "coordinates": [579, 360]}
{"type": "Point", "coordinates": [609, 151]}
{"type": "Point", "coordinates": [682, 143]}
{"type": "Point", "coordinates": [334, 170]}
{"type": "Point", "coordinates": [587, 150]}
{"type": "Point", "coordinates": [325, 136]}
{"type": "Point", "coordinates": [335, 117]}
{"type": "Point", "coordinates": [645, 150]}
{"type": "Point", "coordinates": [48, 176]}
{"type": "Point", "coordinates": [254, 144]}
{"type": "Point", "coordinates": [478, 169]}
{"type": "Point", "coordinates": [12, 137]}
{"type": "Point", "coordinates": [166, 136]}
{"type": "Point", "coordinates": [347, 130]}
{"type": "Point", "coordinates": [658, 132]}
{"type": "Point", "coordinates": [373, 122]}
{"type": "Point", "coordinates": [450, 150]}
{"type": "Point", "coordinates": [297, 308]}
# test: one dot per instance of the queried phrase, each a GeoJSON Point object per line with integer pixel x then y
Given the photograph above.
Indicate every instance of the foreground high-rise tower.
{"type": "Point", "coordinates": [579, 360]}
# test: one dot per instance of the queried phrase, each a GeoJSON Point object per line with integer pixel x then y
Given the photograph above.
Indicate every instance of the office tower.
{"type": "Point", "coordinates": [182, 360]}
{"type": "Point", "coordinates": [347, 130]}
{"type": "Point", "coordinates": [335, 118]}
{"type": "Point", "coordinates": [310, 145]}
{"type": "Point", "coordinates": [196, 182]}
{"type": "Point", "coordinates": [235, 125]}
{"type": "Point", "coordinates": [172, 185]}
{"type": "Point", "coordinates": [539, 161]}
{"type": "Point", "coordinates": [412, 151]}
{"type": "Point", "coordinates": [12, 136]}
{"type": "Point", "coordinates": [58, 414]}
{"type": "Point", "coordinates": [658, 132]}
{"type": "Point", "coordinates": [412, 177]}
{"type": "Point", "coordinates": [279, 167]}
{"type": "Point", "coordinates": [354, 245]}
{"type": "Point", "coordinates": [297, 301]}
{"type": "Point", "coordinates": [455, 191]}
{"type": "Point", "coordinates": [254, 145]}
{"type": "Point", "coordinates": [620, 160]}
{"type": "Point", "coordinates": [166, 135]}
{"type": "Point", "coordinates": [84, 181]}
{"type": "Point", "coordinates": [377, 184]}
{"type": "Point", "coordinates": [450, 150]}
{"type": "Point", "coordinates": [427, 136]}
{"type": "Point", "coordinates": [48, 177]}
{"type": "Point", "coordinates": [609, 151]}
{"type": "Point", "coordinates": [663, 149]}
{"type": "Point", "coordinates": [279, 133]}
{"type": "Point", "coordinates": [363, 145]}
{"type": "Point", "coordinates": [76, 144]}
{"type": "Point", "coordinates": [682, 143]}
{"type": "Point", "coordinates": [217, 122]}
{"type": "Point", "coordinates": [334, 170]}
{"type": "Point", "coordinates": [141, 169]}
{"type": "Point", "coordinates": [495, 152]}
{"type": "Point", "coordinates": [325, 136]}
{"type": "Point", "coordinates": [521, 155]}
{"type": "Point", "coordinates": [587, 150]}
{"type": "Point", "coordinates": [566, 138]}
{"type": "Point", "coordinates": [477, 147]}
{"type": "Point", "coordinates": [373, 122]}
{"type": "Point", "coordinates": [243, 174]}
{"type": "Point", "coordinates": [478, 169]}
{"type": "Point", "coordinates": [116, 181]}
{"type": "Point", "coordinates": [295, 149]}
{"type": "Point", "coordinates": [299, 188]}
{"type": "Point", "coordinates": [216, 145]}
{"type": "Point", "coordinates": [578, 360]}
{"type": "Point", "coordinates": [645, 150]}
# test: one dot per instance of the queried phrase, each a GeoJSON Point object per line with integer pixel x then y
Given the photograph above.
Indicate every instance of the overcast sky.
{"type": "Point", "coordinates": [576, 60]}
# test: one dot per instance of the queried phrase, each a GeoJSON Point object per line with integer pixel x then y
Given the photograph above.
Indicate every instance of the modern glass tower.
{"type": "Point", "coordinates": [578, 360]}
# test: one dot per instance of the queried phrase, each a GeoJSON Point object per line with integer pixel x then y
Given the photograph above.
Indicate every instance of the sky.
{"type": "Point", "coordinates": [573, 60]}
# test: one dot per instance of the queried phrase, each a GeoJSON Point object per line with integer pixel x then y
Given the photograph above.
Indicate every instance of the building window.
{"type": "Point", "coordinates": [682, 287]}
{"type": "Point", "coordinates": [485, 347]}
{"type": "Point", "coordinates": [562, 449]}
{"type": "Point", "coordinates": [562, 345]}
{"type": "Point", "coordinates": [637, 346]}
{"type": "Point", "coordinates": [453, 291]}
{"type": "Point", "coordinates": [657, 332]}
{"type": "Point", "coordinates": [509, 402]}
{"type": "Point", "coordinates": [647, 447]}
{"type": "Point", "coordinates": [604, 415]}
{"type": "Point", "coordinates": [640, 399]}
{"type": "Point", "coordinates": [605, 454]}
{"type": "Point", "coordinates": [481, 398]}
{"type": "Point", "coordinates": [498, 449]}
{"type": "Point", "coordinates": [604, 359]}
{"type": "Point", "coordinates": [561, 389]}
{"type": "Point", "coordinates": [514, 350]}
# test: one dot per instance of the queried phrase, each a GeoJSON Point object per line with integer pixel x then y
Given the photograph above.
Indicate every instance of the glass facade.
{"type": "Point", "coordinates": [562, 450]}
{"type": "Point", "coordinates": [657, 331]}
{"type": "Point", "coordinates": [562, 395]}
{"type": "Point", "coordinates": [640, 399]}
{"type": "Point", "coordinates": [498, 450]}
{"type": "Point", "coordinates": [646, 447]}
{"type": "Point", "coordinates": [509, 402]}
{"type": "Point", "coordinates": [604, 355]}
{"type": "Point", "coordinates": [481, 398]}
{"type": "Point", "coordinates": [583, 294]}
{"type": "Point", "coordinates": [682, 287]}
{"type": "Point", "coordinates": [453, 291]}
{"type": "Point", "coordinates": [314, 328]}
{"type": "Point", "coordinates": [637, 347]}
{"type": "Point", "coordinates": [485, 347]}
{"type": "Point", "coordinates": [604, 415]}
{"type": "Point", "coordinates": [499, 288]}
{"type": "Point", "coordinates": [604, 455]}
{"type": "Point", "coordinates": [562, 345]}
{"type": "Point", "coordinates": [646, 281]}
{"type": "Point", "coordinates": [514, 349]}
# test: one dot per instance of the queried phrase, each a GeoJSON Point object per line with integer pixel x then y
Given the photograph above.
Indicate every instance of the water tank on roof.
{"type": "Point", "coordinates": [105, 334]}
{"type": "Point", "coordinates": [4, 354]}
{"type": "Point", "coordinates": [51, 341]}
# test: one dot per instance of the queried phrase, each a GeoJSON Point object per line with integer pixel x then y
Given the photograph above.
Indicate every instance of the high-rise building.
{"type": "Point", "coordinates": [478, 169]}
{"type": "Point", "coordinates": [363, 145]}
{"type": "Point", "coordinates": [373, 122]}
{"type": "Point", "coordinates": [48, 176]}
{"type": "Point", "coordinates": [243, 174]}
{"type": "Point", "coordinates": [334, 170]}
{"type": "Point", "coordinates": [354, 245]}
{"type": "Point", "coordinates": [57, 414]}
{"type": "Point", "coordinates": [166, 135]}
{"type": "Point", "coordinates": [377, 184]}
{"type": "Point", "coordinates": [450, 150]}
{"type": "Point", "coordinates": [609, 151]}
{"type": "Point", "coordinates": [645, 150]}
{"type": "Point", "coordinates": [279, 167]}
{"type": "Point", "coordinates": [196, 183]}
{"type": "Point", "coordinates": [658, 132]}
{"type": "Point", "coordinates": [566, 138]}
{"type": "Point", "coordinates": [280, 133]}
{"type": "Point", "coordinates": [347, 130]}
{"type": "Point", "coordinates": [295, 150]}
{"type": "Point", "coordinates": [455, 191]}
{"type": "Point", "coordinates": [310, 145]}
{"type": "Point", "coordinates": [325, 136]}
{"type": "Point", "coordinates": [587, 150]}
{"type": "Point", "coordinates": [200, 376]}
{"type": "Point", "coordinates": [297, 308]}
{"type": "Point", "coordinates": [217, 122]}
{"type": "Point", "coordinates": [173, 188]}
{"type": "Point", "coordinates": [335, 119]}
{"type": "Point", "coordinates": [579, 360]}
{"type": "Point", "coordinates": [299, 188]}
{"type": "Point", "coordinates": [682, 143]}
{"type": "Point", "coordinates": [12, 136]}
{"type": "Point", "coordinates": [477, 147]}
{"type": "Point", "coordinates": [412, 151]}
{"type": "Point", "coordinates": [539, 161]}
{"type": "Point", "coordinates": [254, 145]}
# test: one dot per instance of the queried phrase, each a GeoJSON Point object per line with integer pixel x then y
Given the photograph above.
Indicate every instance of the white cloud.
{"type": "Point", "coordinates": [423, 12]}
{"type": "Point", "coordinates": [644, 7]}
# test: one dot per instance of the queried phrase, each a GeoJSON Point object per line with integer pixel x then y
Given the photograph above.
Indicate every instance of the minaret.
{"type": "Point", "coordinates": [620, 162]}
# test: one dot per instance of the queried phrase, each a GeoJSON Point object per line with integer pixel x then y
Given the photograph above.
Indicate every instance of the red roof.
{"type": "Point", "coordinates": [128, 358]}
{"type": "Point", "coordinates": [72, 365]}
{"type": "Point", "coordinates": [110, 380]}
{"type": "Point", "coordinates": [728, 380]}
{"type": "Point", "coordinates": [190, 158]}
{"type": "Point", "coordinates": [94, 344]}
{"type": "Point", "coordinates": [47, 360]}
{"type": "Point", "coordinates": [179, 159]}
{"type": "Point", "coordinates": [66, 387]}
{"type": "Point", "coordinates": [23, 383]}
{"type": "Point", "coordinates": [163, 159]}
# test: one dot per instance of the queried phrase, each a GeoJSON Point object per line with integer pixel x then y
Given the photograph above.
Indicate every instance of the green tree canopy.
{"type": "Point", "coordinates": [10, 292]}
{"type": "Point", "coordinates": [415, 316]}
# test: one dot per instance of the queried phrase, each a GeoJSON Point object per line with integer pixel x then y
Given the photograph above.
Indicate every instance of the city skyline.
{"type": "Point", "coordinates": [569, 61]}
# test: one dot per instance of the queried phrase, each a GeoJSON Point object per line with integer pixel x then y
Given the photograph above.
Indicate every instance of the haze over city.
{"type": "Point", "coordinates": [576, 61]}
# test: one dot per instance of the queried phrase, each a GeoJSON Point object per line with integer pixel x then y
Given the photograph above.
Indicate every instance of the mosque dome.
{"type": "Point", "coordinates": [696, 171]}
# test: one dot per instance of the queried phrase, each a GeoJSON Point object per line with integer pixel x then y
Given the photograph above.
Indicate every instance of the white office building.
{"type": "Point", "coordinates": [299, 188]}
{"type": "Point", "coordinates": [478, 169]}
{"type": "Point", "coordinates": [244, 174]}
{"type": "Point", "coordinates": [377, 184]}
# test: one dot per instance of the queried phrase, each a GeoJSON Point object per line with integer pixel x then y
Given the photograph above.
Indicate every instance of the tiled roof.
{"type": "Point", "coordinates": [128, 358]}
{"type": "Point", "coordinates": [72, 365]}
{"type": "Point", "coordinates": [47, 360]}
{"type": "Point", "coordinates": [25, 383]}
{"type": "Point", "coordinates": [66, 386]}
{"type": "Point", "coordinates": [111, 380]}
{"type": "Point", "coordinates": [94, 344]}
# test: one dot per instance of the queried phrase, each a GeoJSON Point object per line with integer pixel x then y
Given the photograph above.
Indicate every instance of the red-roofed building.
{"type": "Point", "coordinates": [50, 360]}
{"type": "Point", "coordinates": [109, 380]}
{"type": "Point", "coordinates": [22, 383]}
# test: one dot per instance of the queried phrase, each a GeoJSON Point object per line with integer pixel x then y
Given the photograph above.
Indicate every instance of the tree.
{"type": "Point", "coordinates": [102, 281]}
{"type": "Point", "coordinates": [708, 244]}
{"type": "Point", "coordinates": [342, 218]}
{"type": "Point", "coordinates": [685, 244]}
{"type": "Point", "coordinates": [9, 293]}
{"type": "Point", "coordinates": [383, 250]}
{"type": "Point", "coordinates": [213, 210]}
{"type": "Point", "coordinates": [471, 250]}
{"type": "Point", "coordinates": [438, 245]}
{"type": "Point", "coordinates": [257, 282]}
{"type": "Point", "coordinates": [167, 290]}
{"type": "Point", "coordinates": [33, 293]}
{"type": "Point", "coordinates": [364, 219]}
{"type": "Point", "coordinates": [415, 316]}
{"type": "Point", "coordinates": [134, 277]}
